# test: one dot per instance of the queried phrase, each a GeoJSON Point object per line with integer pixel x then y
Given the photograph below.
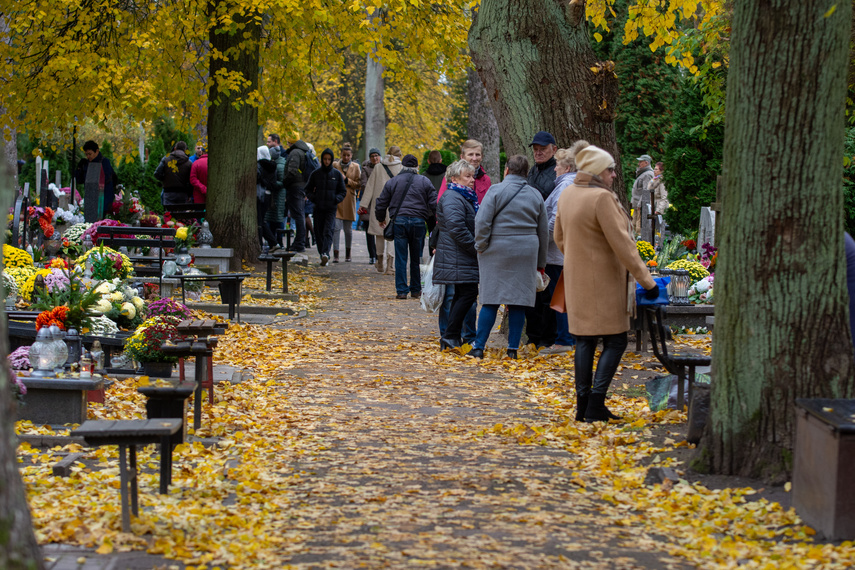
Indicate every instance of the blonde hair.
{"type": "Point", "coordinates": [471, 143]}
{"type": "Point", "coordinates": [395, 151]}
{"type": "Point", "coordinates": [566, 157]}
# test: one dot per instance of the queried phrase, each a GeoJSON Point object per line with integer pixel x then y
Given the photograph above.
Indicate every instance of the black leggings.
{"type": "Point", "coordinates": [613, 347]}
{"type": "Point", "coordinates": [465, 295]}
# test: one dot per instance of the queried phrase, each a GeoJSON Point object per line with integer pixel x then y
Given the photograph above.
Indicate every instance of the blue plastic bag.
{"type": "Point", "coordinates": [662, 299]}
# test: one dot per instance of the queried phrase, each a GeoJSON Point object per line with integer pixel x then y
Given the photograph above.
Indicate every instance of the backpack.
{"type": "Point", "coordinates": [311, 165]}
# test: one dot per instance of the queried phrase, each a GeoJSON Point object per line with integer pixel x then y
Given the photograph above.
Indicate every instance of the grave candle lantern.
{"type": "Point", "coordinates": [681, 280]}
{"type": "Point", "coordinates": [41, 354]}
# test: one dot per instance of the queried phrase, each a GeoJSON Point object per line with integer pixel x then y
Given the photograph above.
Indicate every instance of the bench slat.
{"type": "Point", "coordinates": [133, 430]}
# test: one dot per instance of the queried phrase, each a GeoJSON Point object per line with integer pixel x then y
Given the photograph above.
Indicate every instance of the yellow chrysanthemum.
{"type": "Point", "coordinates": [126, 263]}
{"type": "Point", "coordinates": [695, 269]}
{"type": "Point", "coordinates": [26, 289]}
{"type": "Point", "coordinates": [14, 257]}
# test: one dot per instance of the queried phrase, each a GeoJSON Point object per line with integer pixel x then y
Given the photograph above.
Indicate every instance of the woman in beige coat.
{"type": "Point", "coordinates": [382, 173]}
{"type": "Point", "coordinates": [593, 232]}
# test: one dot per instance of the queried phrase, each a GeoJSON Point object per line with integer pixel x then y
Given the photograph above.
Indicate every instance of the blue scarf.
{"type": "Point", "coordinates": [467, 193]}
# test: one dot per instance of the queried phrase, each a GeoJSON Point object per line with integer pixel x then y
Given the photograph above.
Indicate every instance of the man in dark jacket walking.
{"type": "Point", "coordinates": [295, 189]}
{"type": "Point", "coordinates": [99, 182]}
{"type": "Point", "coordinates": [325, 189]}
{"type": "Point", "coordinates": [411, 200]}
{"type": "Point", "coordinates": [174, 173]}
{"type": "Point", "coordinates": [542, 174]}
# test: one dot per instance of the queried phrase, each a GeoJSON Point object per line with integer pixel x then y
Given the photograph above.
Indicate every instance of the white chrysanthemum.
{"type": "Point", "coordinates": [128, 310]}
{"type": "Point", "coordinates": [103, 306]}
{"type": "Point", "coordinates": [116, 297]}
{"type": "Point", "coordinates": [138, 303]}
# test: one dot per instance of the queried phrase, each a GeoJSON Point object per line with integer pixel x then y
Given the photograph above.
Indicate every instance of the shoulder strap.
{"type": "Point", "coordinates": [506, 204]}
{"type": "Point", "coordinates": [389, 172]}
{"type": "Point", "coordinates": [404, 197]}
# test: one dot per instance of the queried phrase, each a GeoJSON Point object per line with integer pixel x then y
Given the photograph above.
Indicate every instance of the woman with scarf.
{"type": "Point", "coordinates": [265, 184]}
{"type": "Point", "coordinates": [456, 260]}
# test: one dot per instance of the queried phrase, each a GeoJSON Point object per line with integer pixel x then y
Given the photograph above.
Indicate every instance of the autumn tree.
{"type": "Point", "coordinates": [782, 330]}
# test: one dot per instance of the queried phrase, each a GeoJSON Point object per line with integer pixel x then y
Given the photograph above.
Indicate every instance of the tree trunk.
{"type": "Point", "coordinates": [375, 108]}
{"type": "Point", "coordinates": [781, 304]}
{"type": "Point", "coordinates": [482, 125]}
{"type": "Point", "coordinates": [18, 546]}
{"type": "Point", "coordinates": [535, 60]}
{"type": "Point", "coordinates": [232, 133]}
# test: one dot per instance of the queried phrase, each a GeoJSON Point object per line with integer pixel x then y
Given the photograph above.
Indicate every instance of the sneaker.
{"type": "Point", "coordinates": [325, 259]}
{"type": "Point", "coordinates": [556, 349]}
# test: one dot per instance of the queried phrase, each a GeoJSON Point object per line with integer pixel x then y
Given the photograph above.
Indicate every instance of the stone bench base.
{"type": "Point", "coordinates": [57, 400]}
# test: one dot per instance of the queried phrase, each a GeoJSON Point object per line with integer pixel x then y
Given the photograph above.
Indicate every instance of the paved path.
{"type": "Point", "coordinates": [401, 474]}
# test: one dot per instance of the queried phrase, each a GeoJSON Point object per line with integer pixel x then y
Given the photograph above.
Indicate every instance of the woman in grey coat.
{"type": "Point", "coordinates": [456, 261]}
{"type": "Point", "coordinates": [511, 237]}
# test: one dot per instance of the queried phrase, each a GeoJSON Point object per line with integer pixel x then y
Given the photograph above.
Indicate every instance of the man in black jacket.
{"type": "Point", "coordinates": [295, 189]}
{"type": "Point", "coordinates": [325, 189]}
{"type": "Point", "coordinates": [411, 200]}
{"type": "Point", "coordinates": [542, 174]}
{"type": "Point", "coordinates": [174, 173]}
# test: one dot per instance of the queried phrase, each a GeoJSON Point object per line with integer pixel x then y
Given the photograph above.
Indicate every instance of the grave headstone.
{"type": "Point", "coordinates": [706, 230]}
{"type": "Point", "coordinates": [93, 193]}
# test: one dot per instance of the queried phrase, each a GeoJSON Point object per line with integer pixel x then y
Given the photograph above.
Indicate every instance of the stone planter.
{"type": "Point", "coordinates": [157, 369]}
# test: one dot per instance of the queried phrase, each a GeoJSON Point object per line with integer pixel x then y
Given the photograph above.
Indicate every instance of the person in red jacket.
{"type": "Point", "coordinates": [199, 178]}
{"type": "Point", "coordinates": [472, 152]}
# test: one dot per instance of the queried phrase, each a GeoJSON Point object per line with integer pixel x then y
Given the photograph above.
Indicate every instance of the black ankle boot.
{"type": "Point", "coordinates": [597, 410]}
{"type": "Point", "coordinates": [512, 353]}
{"type": "Point", "coordinates": [445, 344]}
{"type": "Point", "coordinates": [476, 353]}
{"type": "Point", "coordinates": [581, 407]}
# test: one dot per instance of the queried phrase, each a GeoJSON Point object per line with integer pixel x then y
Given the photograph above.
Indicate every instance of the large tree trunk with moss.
{"type": "Point", "coordinates": [482, 125]}
{"type": "Point", "coordinates": [232, 132]}
{"type": "Point", "coordinates": [781, 302]}
{"type": "Point", "coordinates": [540, 73]}
{"type": "Point", "coordinates": [18, 546]}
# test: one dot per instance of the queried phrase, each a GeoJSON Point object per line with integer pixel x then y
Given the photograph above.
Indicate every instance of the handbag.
{"type": "Point", "coordinates": [389, 230]}
{"type": "Point", "coordinates": [662, 299]}
{"type": "Point", "coordinates": [559, 301]}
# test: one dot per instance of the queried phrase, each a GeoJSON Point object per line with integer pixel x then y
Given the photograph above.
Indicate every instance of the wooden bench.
{"type": "Point", "coordinates": [272, 258]}
{"type": "Point", "coordinates": [144, 266]}
{"type": "Point", "coordinates": [166, 398]}
{"type": "Point", "coordinates": [683, 365]}
{"type": "Point", "coordinates": [128, 434]}
{"type": "Point", "coordinates": [229, 284]}
{"type": "Point", "coordinates": [198, 341]}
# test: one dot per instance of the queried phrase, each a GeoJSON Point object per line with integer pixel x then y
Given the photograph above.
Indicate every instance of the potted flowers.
{"type": "Point", "coordinates": [144, 346]}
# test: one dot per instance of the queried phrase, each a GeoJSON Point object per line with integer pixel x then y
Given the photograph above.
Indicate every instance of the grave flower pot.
{"type": "Point", "coordinates": [157, 369]}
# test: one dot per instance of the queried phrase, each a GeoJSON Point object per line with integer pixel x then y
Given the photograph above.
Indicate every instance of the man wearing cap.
{"type": "Point", "coordinates": [411, 199]}
{"type": "Point", "coordinates": [640, 195]}
{"type": "Point", "coordinates": [542, 174]}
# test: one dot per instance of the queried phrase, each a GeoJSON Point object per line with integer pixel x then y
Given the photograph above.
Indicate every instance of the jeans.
{"type": "Point", "coordinates": [487, 318]}
{"type": "Point", "coordinates": [586, 346]}
{"type": "Point", "coordinates": [324, 227]}
{"type": "Point", "coordinates": [465, 299]}
{"type": "Point", "coordinates": [468, 335]}
{"type": "Point", "coordinates": [347, 226]}
{"type": "Point", "coordinates": [296, 202]}
{"type": "Point", "coordinates": [264, 231]}
{"type": "Point", "coordinates": [409, 240]}
{"type": "Point", "coordinates": [562, 333]}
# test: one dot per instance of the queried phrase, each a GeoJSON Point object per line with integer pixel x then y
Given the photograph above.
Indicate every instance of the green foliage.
{"type": "Point", "coordinates": [692, 161]}
{"type": "Point", "coordinates": [169, 134]}
{"type": "Point", "coordinates": [134, 176]}
{"type": "Point", "coordinates": [58, 161]}
{"type": "Point", "coordinates": [447, 158]}
{"type": "Point", "coordinates": [849, 181]}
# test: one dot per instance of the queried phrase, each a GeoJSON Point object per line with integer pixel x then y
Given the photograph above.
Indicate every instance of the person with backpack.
{"type": "Point", "coordinates": [174, 173]}
{"type": "Point", "coordinates": [297, 171]}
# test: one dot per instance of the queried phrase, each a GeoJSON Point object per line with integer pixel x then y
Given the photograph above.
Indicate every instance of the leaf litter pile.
{"type": "Point", "coordinates": [358, 444]}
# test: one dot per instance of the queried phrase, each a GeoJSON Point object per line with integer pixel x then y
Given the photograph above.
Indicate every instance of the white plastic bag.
{"type": "Point", "coordinates": [432, 293]}
{"type": "Point", "coordinates": [542, 282]}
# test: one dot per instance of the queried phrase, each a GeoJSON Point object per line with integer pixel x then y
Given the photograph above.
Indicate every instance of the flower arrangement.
{"type": "Point", "coordinates": [168, 307]}
{"type": "Point", "coordinates": [26, 289]}
{"type": "Point", "coordinates": [702, 291]}
{"type": "Point", "coordinates": [121, 305]}
{"type": "Point", "coordinates": [21, 275]}
{"type": "Point", "coordinates": [74, 298]}
{"type": "Point", "coordinates": [125, 208]}
{"type": "Point", "coordinates": [14, 257]}
{"type": "Point", "coordinates": [20, 359]}
{"type": "Point", "coordinates": [695, 269]}
{"type": "Point", "coordinates": [645, 250]}
{"type": "Point", "coordinates": [102, 326]}
{"type": "Point", "coordinates": [652, 263]}
{"type": "Point", "coordinates": [709, 255]}
{"type": "Point", "coordinates": [74, 234]}
{"type": "Point", "coordinates": [689, 244]}
{"type": "Point", "coordinates": [57, 280]}
{"type": "Point", "coordinates": [69, 216]}
{"type": "Point", "coordinates": [42, 218]}
{"type": "Point", "coordinates": [93, 234]}
{"type": "Point", "coordinates": [150, 221]}
{"type": "Point", "coordinates": [56, 316]}
{"type": "Point", "coordinates": [10, 286]}
{"type": "Point", "coordinates": [105, 263]}
{"type": "Point", "coordinates": [144, 345]}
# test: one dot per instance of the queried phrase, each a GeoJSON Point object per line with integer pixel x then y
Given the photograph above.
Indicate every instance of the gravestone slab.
{"type": "Point", "coordinates": [706, 230]}
{"type": "Point", "coordinates": [57, 400]}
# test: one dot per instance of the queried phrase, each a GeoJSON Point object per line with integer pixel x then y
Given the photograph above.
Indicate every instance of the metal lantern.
{"type": "Point", "coordinates": [682, 281]}
{"type": "Point", "coordinates": [669, 273]}
{"type": "Point", "coordinates": [205, 237]}
{"type": "Point", "coordinates": [74, 344]}
{"type": "Point", "coordinates": [87, 242]}
{"type": "Point", "coordinates": [41, 354]}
